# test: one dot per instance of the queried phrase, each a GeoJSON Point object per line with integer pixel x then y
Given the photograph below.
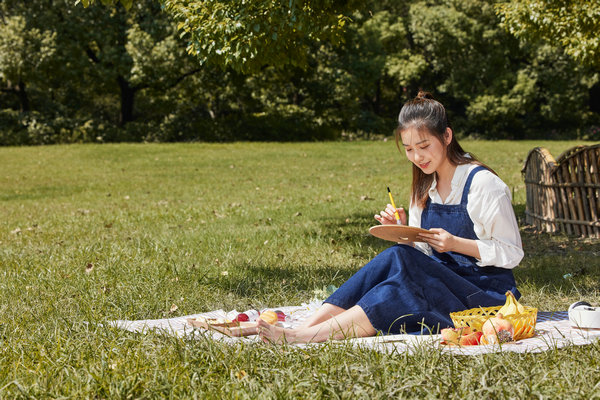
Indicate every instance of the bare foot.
{"type": "Point", "coordinates": [274, 334]}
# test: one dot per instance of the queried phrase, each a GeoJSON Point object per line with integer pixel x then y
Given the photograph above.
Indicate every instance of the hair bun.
{"type": "Point", "coordinates": [424, 95]}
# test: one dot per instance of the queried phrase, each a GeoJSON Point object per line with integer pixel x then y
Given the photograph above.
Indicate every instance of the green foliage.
{"type": "Point", "coordinates": [127, 73]}
{"type": "Point", "coordinates": [23, 51]}
{"type": "Point", "coordinates": [35, 128]}
{"type": "Point", "coordinates": [113, 59]}
{"type": "Point", "coordinates": [494, 85]}
{"type": "Point", "coordinates": [574, 24]}
{"type": "Point", "coordinates": [125, 3]}
{"type": "Point", "coordinates": [24, 55]}
{"type": "Point", "coordinates": [249, 35]}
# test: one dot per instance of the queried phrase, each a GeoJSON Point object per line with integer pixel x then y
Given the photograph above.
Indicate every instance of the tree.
{"type": "Point", "coordinates": [383, 66]}
{"type": "Point", "coordinates": [248, 36]}
{"type": "Point", "coordinates": [137, 50]}
{"type": "Point", "coordinates": [91, 56]}
{"type": "Point", "coordinates": [574, 24]}
{"type": "Point", "coordinates": [23, 52]}
{"type": "Point", "coordinates": [493, 84]}
{"type": "Point", "coordinates": [126, 74]}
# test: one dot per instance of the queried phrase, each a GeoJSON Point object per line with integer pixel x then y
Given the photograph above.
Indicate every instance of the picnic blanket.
{"type": "Point", "coordinates": [553, 330]}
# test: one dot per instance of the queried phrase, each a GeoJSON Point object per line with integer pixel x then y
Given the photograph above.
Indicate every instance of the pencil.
{"type": "Point", "coordinates": [394, 205]}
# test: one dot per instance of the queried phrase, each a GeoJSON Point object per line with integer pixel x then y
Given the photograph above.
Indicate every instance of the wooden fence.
{"type": "Point", "coordinates": [564, 194]}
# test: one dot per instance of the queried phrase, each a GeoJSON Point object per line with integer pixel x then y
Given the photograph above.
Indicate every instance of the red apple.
{"type": "Point", "coordinates": [242, 318]}
{"type": "Point", "coordinates": [280, 315]}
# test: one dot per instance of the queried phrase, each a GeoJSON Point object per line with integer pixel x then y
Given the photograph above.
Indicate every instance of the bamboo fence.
{"type": "Point", "coordinates": [564, 194]}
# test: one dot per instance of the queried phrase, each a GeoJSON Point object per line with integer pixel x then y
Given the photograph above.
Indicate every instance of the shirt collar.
{"type": "Point", "coordinates": [459, 176]}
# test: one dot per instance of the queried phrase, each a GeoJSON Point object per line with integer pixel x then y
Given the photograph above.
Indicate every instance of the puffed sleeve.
{"type": "Point", "coordinates": [489, 206]}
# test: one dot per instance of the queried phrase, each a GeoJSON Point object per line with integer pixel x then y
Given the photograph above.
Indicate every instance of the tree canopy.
{"type": "Point", "coordinates": [250, 35]}
{"type": "Point", "coordinates": [70, 73]}
{"type": "Point", "coordinates": [574, 24]}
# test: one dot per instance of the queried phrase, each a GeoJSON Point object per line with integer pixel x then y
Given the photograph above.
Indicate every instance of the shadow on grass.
{"type": "Point", "coordinates": [353, 230]}
{"type": "Point", "coordinates": [519, 210]}
{"type": "Point", "coordinates": [256, 281]}
{"type": "Point", "coordinates": [269, 277]}
{"type": "Point", "coordinates": [41, 193]}
{"type": "Point", "coordinates": [551, 262]}
{"type": "Point", "coordinates": [554, 261]}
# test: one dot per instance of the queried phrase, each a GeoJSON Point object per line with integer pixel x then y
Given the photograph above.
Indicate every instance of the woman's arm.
{"type": "Point", "coordinates": [442, 241]}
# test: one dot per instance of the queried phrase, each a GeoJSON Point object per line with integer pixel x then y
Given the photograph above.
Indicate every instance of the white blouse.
{"type": "Point", "coordinates": [490, 209]}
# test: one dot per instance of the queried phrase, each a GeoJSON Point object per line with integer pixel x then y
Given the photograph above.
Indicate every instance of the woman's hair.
{"type": "Point", "coordinates": [426, 113]}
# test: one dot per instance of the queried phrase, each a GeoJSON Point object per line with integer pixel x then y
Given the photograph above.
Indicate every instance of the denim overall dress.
{"type": "Point", "coordinates": [403, 290]}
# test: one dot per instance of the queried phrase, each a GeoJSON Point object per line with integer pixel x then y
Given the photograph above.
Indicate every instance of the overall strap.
{"type": "Point", "coordinates": [467, 187]}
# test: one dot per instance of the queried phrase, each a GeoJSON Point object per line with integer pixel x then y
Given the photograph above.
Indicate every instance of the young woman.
{"type": "Point", "coordinates": [464, 262]}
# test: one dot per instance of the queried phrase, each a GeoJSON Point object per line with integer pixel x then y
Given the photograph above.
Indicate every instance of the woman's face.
{"type": "Point", "coordinates": [424, 149]}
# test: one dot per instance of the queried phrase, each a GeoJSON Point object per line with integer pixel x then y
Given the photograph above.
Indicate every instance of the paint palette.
{"type": "Point", "coordinates": [397, 233]}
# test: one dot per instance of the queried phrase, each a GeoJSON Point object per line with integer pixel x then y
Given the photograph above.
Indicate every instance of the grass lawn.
{"type": "Point", "coordinates": [90, 233]}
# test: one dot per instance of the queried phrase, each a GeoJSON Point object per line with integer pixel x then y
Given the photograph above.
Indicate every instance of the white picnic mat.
{"type": "Point", "coordinates": [553, 330]}
{"type": "Point", "coordinates": [179, 325]}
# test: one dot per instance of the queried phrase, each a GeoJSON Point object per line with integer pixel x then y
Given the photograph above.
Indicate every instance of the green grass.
{"type": "Point", "coordinates": [90, 233]}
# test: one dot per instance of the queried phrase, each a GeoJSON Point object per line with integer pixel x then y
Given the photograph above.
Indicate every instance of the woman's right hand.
{"type": "Point", "coordinates": [387, 217]}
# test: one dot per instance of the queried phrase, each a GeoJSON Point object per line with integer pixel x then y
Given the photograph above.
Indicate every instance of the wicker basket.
{"type": "Point", "coordinates": [524, 324]}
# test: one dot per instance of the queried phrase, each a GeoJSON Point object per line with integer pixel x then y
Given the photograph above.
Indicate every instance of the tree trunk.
{"type": "Point", "coordinates": [23, 99]}
{"type": "Point", "coordinates": [377, 98]}
{"type": "Point", "coordinates": [594, 99]}
{"type": "Point", "coordinates": [127, 101]}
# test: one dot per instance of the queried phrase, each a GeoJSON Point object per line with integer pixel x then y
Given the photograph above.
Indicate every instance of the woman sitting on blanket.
{"type": "Point", "coordinates": [464, 262]}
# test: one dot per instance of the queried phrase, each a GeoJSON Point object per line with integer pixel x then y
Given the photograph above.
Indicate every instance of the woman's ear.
{"type": "Point", "coordinates": [448, 136]}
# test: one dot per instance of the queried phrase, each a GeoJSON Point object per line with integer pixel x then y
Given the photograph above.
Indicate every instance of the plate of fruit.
{"type": "Point", "coordinates": [245, 324]}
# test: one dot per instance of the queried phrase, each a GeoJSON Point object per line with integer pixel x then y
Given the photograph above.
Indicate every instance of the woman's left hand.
{"type": "Point", "coordinates": [440, 240]}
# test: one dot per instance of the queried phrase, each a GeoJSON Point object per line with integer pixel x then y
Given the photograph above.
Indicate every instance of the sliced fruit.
{"type": "Point", "coordinates": [472, 339]}
{"type": "Point", "coordinates": [452, 335]}
{"type": "Point", "coordinates": [498, 330]}
{"type": "Point", "coordinates": [269, 317]}
{"type": "Point", "coordinates": [280, 315]}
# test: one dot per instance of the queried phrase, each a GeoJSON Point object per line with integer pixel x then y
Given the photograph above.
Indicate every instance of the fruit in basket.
{"type": "Point", "coordinates": [472, 339]}
{"type": "Point", "coordinates": [453, 335]}
{"type": "Point", "coordinates": [512, 306]}
{"type": "Point", "coordinates": [498, 330]}
{"type": "Point", "coordinates": [269, 317]}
